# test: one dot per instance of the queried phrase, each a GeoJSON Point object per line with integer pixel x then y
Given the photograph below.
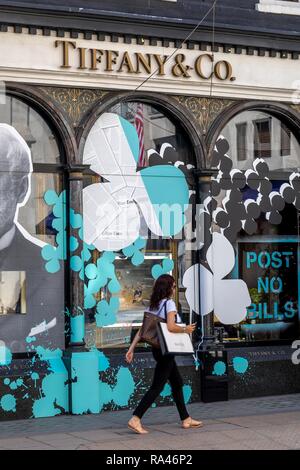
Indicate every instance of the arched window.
{"type": "Point", "coordinates": [256, 189]}
{"type": "Point", "coordinates": [31, 291]}
{"type": "Point", "coordinates": [143, 158]}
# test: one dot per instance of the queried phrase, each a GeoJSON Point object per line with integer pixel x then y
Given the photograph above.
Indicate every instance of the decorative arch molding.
{"type": "Point", "coordinates": [283, 112]}
{"type": "Point", "coordinates": [167, 103]}
{"type": "Point", "coordinates": [39, 101]}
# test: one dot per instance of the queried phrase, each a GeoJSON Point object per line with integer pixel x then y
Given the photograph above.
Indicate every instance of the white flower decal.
{"type": "Point", "coordinates": [228, 298]}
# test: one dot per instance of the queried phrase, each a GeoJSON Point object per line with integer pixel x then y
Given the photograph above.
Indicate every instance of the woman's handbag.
{"type": "Point", "coordinates": [154, 331]}
{"type": "Point", "coordinates": [176, 344]}
{"type": "Point", "coordinates": [149, 329]}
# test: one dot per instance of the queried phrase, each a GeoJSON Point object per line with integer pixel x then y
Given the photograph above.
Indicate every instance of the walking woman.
{"type": "Point", "coordinates": [162, 304]}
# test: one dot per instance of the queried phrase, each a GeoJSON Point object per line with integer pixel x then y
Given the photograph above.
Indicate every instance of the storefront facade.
{"type": "Point", "coordinates": [123, 158]}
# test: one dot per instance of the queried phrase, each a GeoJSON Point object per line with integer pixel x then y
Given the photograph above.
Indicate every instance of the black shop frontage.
{"type": "Point", "coordinates": [109, 124]}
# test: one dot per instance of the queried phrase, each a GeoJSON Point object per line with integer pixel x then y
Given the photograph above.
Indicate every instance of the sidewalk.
{"type": "Point", "coordinates": [266, 423]}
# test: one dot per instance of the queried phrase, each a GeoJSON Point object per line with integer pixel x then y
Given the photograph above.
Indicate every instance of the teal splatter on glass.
{"type": "Point", "coordinates": [169, 195]}
{"type": "Point", "coordinates": [106, 312]}
{"type": "Point", "coordinates": [240, 365]}
{"type": "Point", "coordinates": [134, 251]}
{"type": "Point", "coordinates": [99, 275]}
{"type": "Point", "coordinates": [164, 268]}
{"type": "Point", "coordinates": [55, 254]}
{"type": "Point", "coordinates": [219, 368]}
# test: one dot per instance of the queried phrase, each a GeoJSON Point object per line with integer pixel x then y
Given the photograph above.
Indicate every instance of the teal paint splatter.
{"type": "Point", "coordinates": [133, 251]}
{"type": "Point", "coordinates": [169, 204]}
{"type": "Point", "coordinates": [55, 254]}
{"type": "Point", "coordinates": [8, 403]}
{"type": "Point", "coordinates": [100, 274]}
{"type": "Point", "coordinates": [5, 356]}
{"type": "Point", "coordinates": [124, 388]}
{"type": "Point", "coordinates": [30, 339]}
{"type": "Point", "coordinates": [166, 391]}
{"type": "Point", "coordinates": [77, 328]}
{"type": "Point", "coordinates": [85, 385]}
{"type": "Point", "coordinates": [103, 361]}
{"type": "Point", "coordinates": [55, 393]}
{"type": "Point", "coordinates": [219, 368]}
{"type": "Point", "coordinates": [6, 381]}
{"type": "Point", "coordinates": [187, 393]}
{"type": "Point", "coordinates": [106, 312]}
{"type": "Point", "coordinates": [164, 268]}
{"type": "Point", "coordinates": [240, 365]}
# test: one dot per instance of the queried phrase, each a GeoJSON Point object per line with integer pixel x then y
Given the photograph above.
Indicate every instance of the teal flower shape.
{"type": "Point", "coordinates": [54, 254]}
{"type": "Point", "coordinates": [133, 251]}
{"type": "Point", "coordinates": [164, 268]}
{"type": "Point", "coordinates": [106, 312]}
{"type": "Point", "coordinates": [100, 275]}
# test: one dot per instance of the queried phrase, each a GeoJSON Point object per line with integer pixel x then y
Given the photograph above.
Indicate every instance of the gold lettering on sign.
{"type": "Point", "coordinates": [96, 55]}
{"type": "Point", "coordinates": [82, 56]}
{"type": "Point", "coordinates": [143, 60]}
{"type": "Point", "coordinates": [199, 66]}
{"type": "Point", "coordinates": [161, 60]}
{"type": "Point", "coordinates": [138, 62]}
{"type": "Point", "coordinates": [228, 70]}
{"type": "Point", "coordinates": [180, 69]}
{"type": "Point", "coordinates": [65, 49]}
{"type": "Point", "coordinates": [126, 62]}
{"type": "Point", "coordinates": [111, 59]}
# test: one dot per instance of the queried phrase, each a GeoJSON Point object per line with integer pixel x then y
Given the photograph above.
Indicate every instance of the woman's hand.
{"type": "Point", "coordinates": [190, 328]}
{"type": "Point", "coordinates": [129, 356]}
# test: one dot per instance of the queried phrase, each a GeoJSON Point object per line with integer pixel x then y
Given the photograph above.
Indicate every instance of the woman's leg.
{"type": "Point", "coordinates": [162, 373]}
{"type": "Point", "coordinates": [177, 392]}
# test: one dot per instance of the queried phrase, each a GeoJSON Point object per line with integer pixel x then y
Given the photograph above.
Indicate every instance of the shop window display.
{"type": "Point", "coordinates": [257, 211]}
{"type": "Point", "coordinates": [140, 181]}
{"type": "Point", "coordinates": [29, 295]}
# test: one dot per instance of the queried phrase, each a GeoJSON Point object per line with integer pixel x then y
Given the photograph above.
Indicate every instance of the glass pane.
{"type": "Point", "coordinates": [268, 262]}
{"type": "Point", "coordinates": [155, 129]}
{"type": "Point", "coordinates": [33, 128]}
{"type": "Point", "coordinates": [143, 168]}
{"type": "Point", "coordinates": [264, 139]}
{"type": "Point", "coordinates": [31, 291]}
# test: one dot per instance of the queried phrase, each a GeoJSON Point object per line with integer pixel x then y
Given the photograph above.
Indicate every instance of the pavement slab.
{"type": "Point", "coordinates": [267, 423]}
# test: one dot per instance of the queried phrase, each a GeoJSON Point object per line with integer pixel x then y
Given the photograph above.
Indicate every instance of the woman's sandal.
{"type": "Point", "coordinates": [192, 424]}
{"type": "Point", "coordinates": [138, 429]}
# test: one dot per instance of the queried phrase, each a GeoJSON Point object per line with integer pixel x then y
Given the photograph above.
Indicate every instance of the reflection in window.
{"type": "Point", "coordinates": [256, 134]}
{"type": "Point", "coordinates": [241, 136]}
{"type": "Point", "coordinates": [154, 129]}
{"type": "Point", "coordinates": [262, 138]}
{"type": "Point", "coordinates": [34, 130]}
{"type": "Point", "coordinates": [285, 135]}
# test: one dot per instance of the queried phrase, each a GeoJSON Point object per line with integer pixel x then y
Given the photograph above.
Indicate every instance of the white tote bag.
{"type": "Point", "coordinates": [178, 344]}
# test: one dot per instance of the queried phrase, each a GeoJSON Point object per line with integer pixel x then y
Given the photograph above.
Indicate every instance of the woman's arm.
{"type": "Point", "coordinates": [135, 340]}
{"type": "Point", "coordinates": [174, 328]}
{"type": "Point", "coordinates": [130, 352]}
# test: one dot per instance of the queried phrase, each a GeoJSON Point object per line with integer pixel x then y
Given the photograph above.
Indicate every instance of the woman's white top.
{"type": "Point", "coordinates": [170, 307]}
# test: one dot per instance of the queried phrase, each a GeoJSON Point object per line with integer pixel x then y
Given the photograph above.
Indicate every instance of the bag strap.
{"type": "Point", "coordinates": [164, 305]}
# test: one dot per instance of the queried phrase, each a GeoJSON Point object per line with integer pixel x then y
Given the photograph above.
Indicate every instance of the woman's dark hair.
{"type": "Point", "coordinates": [162, 289]}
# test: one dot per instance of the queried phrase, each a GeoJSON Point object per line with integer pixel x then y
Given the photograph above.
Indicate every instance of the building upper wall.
{"type": "Point", "coordinates": [230, 14]}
